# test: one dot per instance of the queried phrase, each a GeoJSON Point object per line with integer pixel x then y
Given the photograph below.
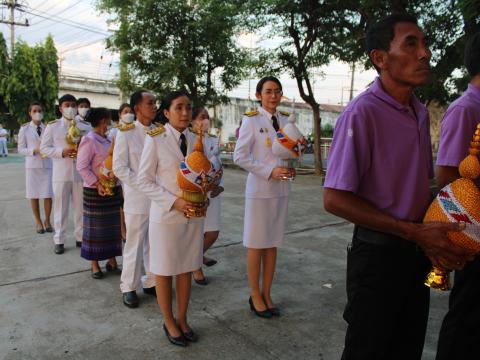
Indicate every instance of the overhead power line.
{"type": "Point", "coordinates": [70, 23]}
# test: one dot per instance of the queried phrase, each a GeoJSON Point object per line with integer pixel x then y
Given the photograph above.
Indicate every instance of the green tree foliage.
{"type": "Point", "coordinates": [447, 23]}
{"type": "Point", "coordinates": [48, 60]}
{"type": "Point", "coordinates": [33, 76]}
{"type": "Point", "coordinates": [178, 44]}
{"type": "Point", "coordinates": [4, 71]}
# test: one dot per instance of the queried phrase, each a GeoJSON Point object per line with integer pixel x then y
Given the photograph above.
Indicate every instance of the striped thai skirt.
{"type": "Point", "coordinates": [102, 238]}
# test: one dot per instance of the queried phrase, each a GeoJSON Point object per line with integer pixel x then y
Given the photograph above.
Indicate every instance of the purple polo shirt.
{"type": "Point", "coordinates": [383, 154]}
{"type": "Point", "coordinates": [458, 126]}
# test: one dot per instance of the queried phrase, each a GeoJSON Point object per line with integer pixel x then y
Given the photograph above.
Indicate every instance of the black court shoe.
{"type": "Point", "coordinates": [59, 249]}
{"type": "Point", "coordinates": [179, 340]}
{"type": "Point", "coordinates": [190, 336]}
{"type": "Point", "coordinates": [112, 269]}
{"type": "Point", "coordinates": [263, 314]}
{"type": "Point", "coordinates": [274, 311]}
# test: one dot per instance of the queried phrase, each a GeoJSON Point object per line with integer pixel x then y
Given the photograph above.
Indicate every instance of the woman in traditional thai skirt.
{"type": "Point", "coordinates": [101, 200]}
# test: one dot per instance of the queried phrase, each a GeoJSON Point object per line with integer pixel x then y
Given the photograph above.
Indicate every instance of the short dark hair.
{"type": "Point", "coordinates": [380, 34]}
{"type": "Point", "coordinates": [66, 97]}
{"type": "Point", "coordinates": [32, 104]}
{"type": "Point", "coordinates": [264, 80]}
{"type": "Point", "coordinates": [137, 98]}
{"type": "Point", "coordinates": [167, 102]}
{"type": "Point", "coordinates": [123, 106]}
{"type": "Point", "coordinates": [196, 111]}
{"type": "Point", "coordinates": [83, 100]}
{"type": "Point", "coordinates": [95, 115]}
{"type": "Point", "coordinates": [472, 55]}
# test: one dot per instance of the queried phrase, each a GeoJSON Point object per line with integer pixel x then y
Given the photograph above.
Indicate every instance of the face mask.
{"type": "Point", "coordinates": [83, 112]}
{"type": "Point", "coordinates": [69, 113]}
{"type": "Point", "coordinates": [38, 116]}
{"type": "Point", "coordinates": [127, 118]}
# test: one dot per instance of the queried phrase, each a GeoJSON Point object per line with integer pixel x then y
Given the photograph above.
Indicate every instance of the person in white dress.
{"type": "Point", "coordinates": [266, 195]}
{"type": "Point", "coordinates": [38, 170]}
{"type": "Point", "coordinates": [67, 182]}
{"type": "Point", "coordinates": [129, 144]}
{"type": "Point", "coordinates": [176, 242]}
{"type": "Point", "coordinates": [201, 122]}
{"type": "Point", "coordinates": [3, 142]}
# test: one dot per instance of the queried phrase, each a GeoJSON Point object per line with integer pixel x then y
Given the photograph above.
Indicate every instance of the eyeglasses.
{"type": "Point", "coordinates": [271, 92]}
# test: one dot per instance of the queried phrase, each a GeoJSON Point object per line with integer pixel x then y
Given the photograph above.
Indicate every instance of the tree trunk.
{"type": "Point", "coordinates": [316, 139]}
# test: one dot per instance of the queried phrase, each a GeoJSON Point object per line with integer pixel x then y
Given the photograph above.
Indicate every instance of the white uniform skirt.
{"type": "Point", "coordinates": [212, 220]}
{"type": "Point", "coordinates": [265, 221]}
{"type": "Point", "coordinates": [175, 248]}
{"type": "Point", "coordinates": [38, 183]}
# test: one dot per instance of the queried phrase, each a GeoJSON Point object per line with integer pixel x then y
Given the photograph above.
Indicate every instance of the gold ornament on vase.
{"type": "Point", "coordinates": [288, 146]}
{"type": "Point", "coordinates": [458, 202]}
{"type": "Point", "coordinates": [73, 138]}
{"type": "Point", "coordinates": [105, 172]}
{"type": "Point", "coordinates": [194, 178]}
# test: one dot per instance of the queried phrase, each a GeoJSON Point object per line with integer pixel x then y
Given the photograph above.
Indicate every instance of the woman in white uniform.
{"type": "Point", "coordinates": [176, 242]}
{"type": "Point", "coordinates": [266, 195]}
{"type": "Point", "coordinates": [38, 170]}
{"type": "Point", "coordinates": [201, 121]}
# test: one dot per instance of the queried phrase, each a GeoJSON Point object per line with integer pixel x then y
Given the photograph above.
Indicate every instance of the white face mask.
{"type": "Point", "coordinates": [127, 118]}
{"type": "Point", "coordinates": [38, 116]}
{"type": "Point", "coordinates": [69, 113]}
{"type": "Point", "coordinates": [83, 112]}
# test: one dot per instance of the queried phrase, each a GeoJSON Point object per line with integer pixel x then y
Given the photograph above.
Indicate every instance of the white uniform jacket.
{"type": "Point", "coordinates": [52, 144]}
{"type": "Point", "coordinates": [157, 175]}
{"type": "Point", "coordinates": [253, 152]}
{"type": "Point", "coordinates": [28, 141]}
{"type": "Point", "coordinates": [126, 161]}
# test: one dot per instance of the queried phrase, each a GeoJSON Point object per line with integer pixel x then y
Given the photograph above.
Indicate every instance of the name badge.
{"type": "Point", "coordinates": [268, 142]}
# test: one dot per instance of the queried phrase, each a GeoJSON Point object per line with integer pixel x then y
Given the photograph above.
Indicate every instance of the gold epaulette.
{"type": "Point", "coordinates": [52, 122]}
{"type": "Point", "coordinates": [158, 124]}
{"type": "Point", "coordinates": [251, 113]}
{"type": "Point", "coordinates": [126, 127]}
{"type": "Point", "coordinates": [284, 113]}
{"type": "Point", "coordinates": [156, 131]}
{"type": "Point", "coordinates": [116, 126]}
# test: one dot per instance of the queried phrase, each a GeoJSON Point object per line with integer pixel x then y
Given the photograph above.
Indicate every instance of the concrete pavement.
{"type": "Point", "coordinates": [50, 308]}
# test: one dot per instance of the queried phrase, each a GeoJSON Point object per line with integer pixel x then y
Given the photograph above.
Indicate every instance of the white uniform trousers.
{"type": "Point", "coordinates": [62, 192]}
{"type": "Point", "coordinates": [136, 247]}
{"type": "Point", "coordinates": [3, 147]}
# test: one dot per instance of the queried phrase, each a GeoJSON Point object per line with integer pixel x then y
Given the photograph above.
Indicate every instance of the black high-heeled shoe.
{"type": "Point", "coordinates": [179, 340]}
{"type": "Point", "coordinates": [274, 311]}
{"type": "Point", "coordinates": [263, 314]}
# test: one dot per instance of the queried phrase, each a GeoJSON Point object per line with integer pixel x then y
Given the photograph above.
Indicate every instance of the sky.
{"type": "Point", "coordinates": [79, 32]}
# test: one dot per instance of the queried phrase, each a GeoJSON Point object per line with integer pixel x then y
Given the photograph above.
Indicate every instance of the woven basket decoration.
{"type": "Point", "coordinates": [460, 201]}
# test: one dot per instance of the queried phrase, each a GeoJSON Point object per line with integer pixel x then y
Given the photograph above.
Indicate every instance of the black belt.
{"type": "Point", "coordinates": [381, 238]}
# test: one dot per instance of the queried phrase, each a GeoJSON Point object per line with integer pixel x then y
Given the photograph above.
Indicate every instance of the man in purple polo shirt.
{"type": "Point", "coordinates": [460, 330]}
{"type": "Point", "coordinates": [378, 178]}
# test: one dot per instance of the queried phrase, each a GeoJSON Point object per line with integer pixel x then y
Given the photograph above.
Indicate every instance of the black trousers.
{"type": "Point", "coordinates": [387, 308]}
{"type": "Point", "coordinates": [460, 332]}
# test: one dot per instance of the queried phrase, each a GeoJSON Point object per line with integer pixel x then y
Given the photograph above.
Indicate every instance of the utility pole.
{"type": "Point", "coordinates": [351, 81]}
{"type": "Point", "coordinates": [13, 5]}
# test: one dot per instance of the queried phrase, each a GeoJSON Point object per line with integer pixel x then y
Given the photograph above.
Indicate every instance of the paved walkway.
{"type": "Point", "coordinates": [50, 308]}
